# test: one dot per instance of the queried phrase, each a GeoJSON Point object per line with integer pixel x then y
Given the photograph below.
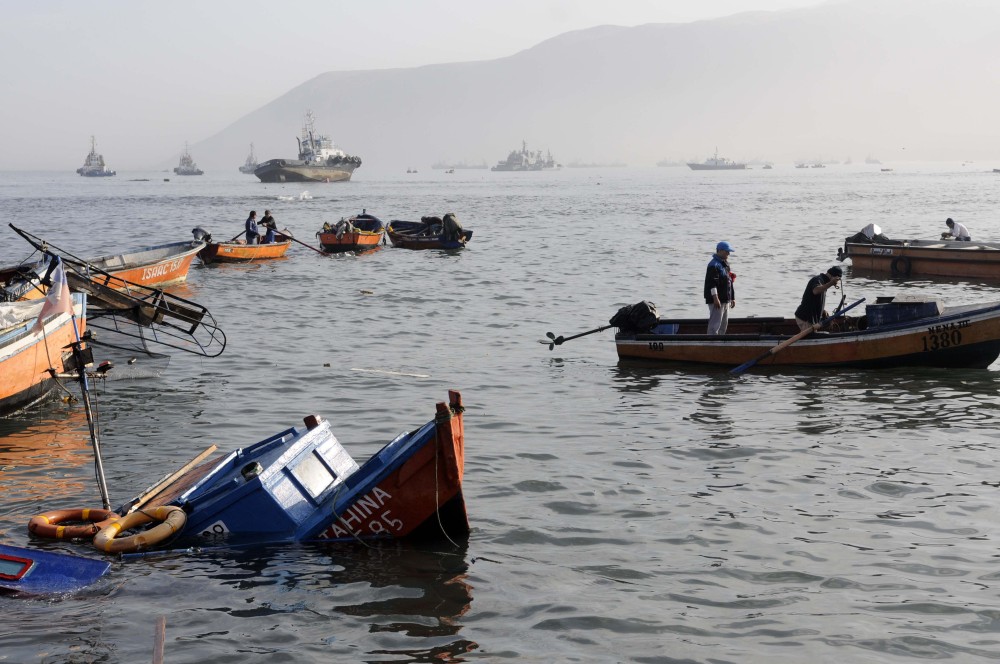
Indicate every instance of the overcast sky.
{"type": "Point", "coordinates": [164, 73]}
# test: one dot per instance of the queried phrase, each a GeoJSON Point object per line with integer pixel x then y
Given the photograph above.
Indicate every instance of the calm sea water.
{"type": "Point", "coordinates": [620, 512]}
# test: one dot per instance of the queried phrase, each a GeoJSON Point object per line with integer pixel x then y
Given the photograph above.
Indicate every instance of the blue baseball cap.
{"type": "Point", "coordinates": [725, 246]}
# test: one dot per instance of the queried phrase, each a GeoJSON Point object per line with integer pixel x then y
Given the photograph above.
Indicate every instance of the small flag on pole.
{"type": "Point", "coordinates": [58, 300]}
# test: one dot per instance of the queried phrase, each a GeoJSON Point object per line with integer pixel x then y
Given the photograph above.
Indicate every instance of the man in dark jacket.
{"type": "Point", "coordinates": [813, 307]}
{"type": "Point", "coordinates": [719, 292]}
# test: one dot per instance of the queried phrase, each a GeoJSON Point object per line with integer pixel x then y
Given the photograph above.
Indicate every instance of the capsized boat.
{"type": "Point", "coordinates": [94, 166]}
{"type": "Point", "coordinates": [32, 358]}
{"type": "Point", "coordinates": [871, 250]}
{"type": "Point", "coordinates": [302, 485]}
{"type": "Point", "coordinates": [893, 332]}
{"type": "Point", "coordinates": [187, 165]}
{"type": "Point", "coordinates": [428, 233]}
{"type": "Point", "coordinates": [361, 232]}
{"type": "Point", "coordinates": [240, 252]}
{"type": "Point", "coordinates": [154, 266]}
{"type": "Point", "coordinates": [319, 160]}
{"type": "Point", "coordinates": [127, 315]}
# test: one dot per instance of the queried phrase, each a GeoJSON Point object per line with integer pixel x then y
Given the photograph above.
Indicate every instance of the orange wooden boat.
{"type": "Point", "coordinates": [871, 251]}
{"type": "Point", "coordinates": [237, 252]}
{"type": "Point", "coordinates": [160, 265]}
{"type": "Point", "coordinates": [27, 355]}
{"type": "Point", "coordinates": [892, 333]}
{"type": "Point", "coordinates": [359, 233]}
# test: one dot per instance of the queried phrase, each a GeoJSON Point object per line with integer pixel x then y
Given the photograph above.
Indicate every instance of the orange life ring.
{"type": "Point", "coordinates": [171, 520]}
{"type": "Point", "coordinates": [50, 523]}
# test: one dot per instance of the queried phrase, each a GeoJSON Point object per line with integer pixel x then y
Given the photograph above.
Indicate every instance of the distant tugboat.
{"type": "Point", "coordinates": [717, 163]}
{"type": "Point", "coordinates": [94, 166]}
{"type": "Point", "coordinates": [187, 165]}
{"type": "Point", "coordinates": [250, 165]}
{"type": "Point", "coordinates": [319, 161]}
{"type": "Point", "coordinates": [525, 160]}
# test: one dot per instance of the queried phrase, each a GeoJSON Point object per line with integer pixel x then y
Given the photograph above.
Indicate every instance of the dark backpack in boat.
{"type": "Point", "coordinates": [637, 318]}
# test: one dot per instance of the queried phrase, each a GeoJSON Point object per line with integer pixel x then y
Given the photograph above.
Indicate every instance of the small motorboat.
{"type": "Point", "coordinates": [240, 252]}
{"type": "Point", "coordinates": [428, 233]}
{"type": "Point", "coordinates": [362, 232]}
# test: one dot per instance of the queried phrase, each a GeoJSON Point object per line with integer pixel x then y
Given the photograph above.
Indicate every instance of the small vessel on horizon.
{"type": "Point", "coordinates": [94, 166]}
{"type": "Point", "coordinates": [717, 163]}
{"type": "Point", "coordinates": [187, 165]}
{"type": "Point", "coordinates": [319, 160]}
{"type": "Point", "coordinates": [250, 165]}
{"type": "Point", "coordinates": [525, 160]}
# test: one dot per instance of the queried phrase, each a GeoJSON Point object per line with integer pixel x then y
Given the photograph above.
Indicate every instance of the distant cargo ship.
{"type": "Point", "coordinates": [319, 160]}
{"type": "Point", "coordinates": [717, 163]}
{"type": "Point", "coordinates": [525, 160]}
{"type": "Point", "coordinates": [94, 166]}
{"type": "Point", "coordinates": [187, 165]}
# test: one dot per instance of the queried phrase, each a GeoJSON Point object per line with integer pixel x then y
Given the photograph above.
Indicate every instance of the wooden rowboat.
{"type": "Point", "coordinates": [891, 333]}
{"type": "Point", "coordinates": [423, 235]}
{"type": "Point", "coordinates": [27, 355]}
{"type": "Point", "coordinates": [905, 258]}
{"type": "Point", "coordinates": [359, 233]}
{"type": "Point", "coordinates": [159, 265]}
{"type": "Point", "coordinates": [236, 252]}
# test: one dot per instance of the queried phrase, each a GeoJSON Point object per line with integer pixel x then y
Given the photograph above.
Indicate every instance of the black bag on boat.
{"type": "Point", "coordinates": [639, 317]}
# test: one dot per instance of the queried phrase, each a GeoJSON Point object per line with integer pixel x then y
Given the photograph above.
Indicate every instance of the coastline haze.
{"type": "Point", "coordinates": [809, 81]}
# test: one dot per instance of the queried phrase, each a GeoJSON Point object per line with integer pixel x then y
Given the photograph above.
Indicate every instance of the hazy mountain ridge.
{"type": "Point", "coordinates": [858, 77]}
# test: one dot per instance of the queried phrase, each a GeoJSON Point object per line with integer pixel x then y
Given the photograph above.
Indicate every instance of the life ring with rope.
{"type": "Point", "coordinates": [171, 519]}
{"type": "Point", "coordinates": [900, 266]}
{"type": "Point", "coordinates": [51, 523]}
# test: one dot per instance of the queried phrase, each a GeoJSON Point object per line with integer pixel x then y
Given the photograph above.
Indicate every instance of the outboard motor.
{"type": "Point", "coordinates": [200, 234]}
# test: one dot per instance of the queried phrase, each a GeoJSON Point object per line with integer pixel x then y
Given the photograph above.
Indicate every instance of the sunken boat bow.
{"type": "Point", "coordinates": [302, 485]}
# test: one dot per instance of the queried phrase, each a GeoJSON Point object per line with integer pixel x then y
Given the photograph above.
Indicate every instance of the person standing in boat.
{"type": "Point", "coordinates": [957, 230]}
{"type": "Point", "coordinates": [720, 294]}
{"type": "Point", "coordinates": [252, 232]}
{"type": "Point", "coordinates": [268, 223]}
{"type": "Point", "coordinates": [812, 309]}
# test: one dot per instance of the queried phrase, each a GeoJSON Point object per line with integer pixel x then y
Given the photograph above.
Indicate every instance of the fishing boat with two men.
{"type": "Point", "coordinates": [870, 250]}
{"type": "Point", "coordinates": [892, 332]}
{"type": "Point", "coordinates": [429, 233]}
{"type": "Point", "coordinates": [237, 251]}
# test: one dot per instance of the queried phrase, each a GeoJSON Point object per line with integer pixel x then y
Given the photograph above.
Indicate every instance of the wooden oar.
{"type": "Point", "coordinates": [558, 341]}
{"type": "Point", "coordinates": [788, 342]}
{"type": "Point", "coordinates": [292, 238]}
{"type": "Point", "coordinates": [237, 237]}
{"type": "Point", "coordinates": [158, 488]}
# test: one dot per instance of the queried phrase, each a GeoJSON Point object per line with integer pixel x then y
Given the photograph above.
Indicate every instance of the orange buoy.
{"type": "Point", "coordinates": [50, 523]}
{"type": "Point", "coordinates": [171, 520]}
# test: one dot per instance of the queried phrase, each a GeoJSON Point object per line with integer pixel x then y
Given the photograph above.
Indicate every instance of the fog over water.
{"type": "Point", "coordinates": [401, 87]}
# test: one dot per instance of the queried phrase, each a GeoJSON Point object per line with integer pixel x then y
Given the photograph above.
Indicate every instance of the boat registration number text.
{"type": "Point", "coordinates": [881, 251]}
{"type": "Point", "coordinates": [366, 513]}
{"type": "Point", "coordinates": [162, 269]}
{"type": "Point", "coordinates": [939, 337]}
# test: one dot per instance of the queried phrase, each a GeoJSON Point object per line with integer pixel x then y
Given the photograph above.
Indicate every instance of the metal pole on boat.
{"type": "Point", "coordinates": [82, 359]}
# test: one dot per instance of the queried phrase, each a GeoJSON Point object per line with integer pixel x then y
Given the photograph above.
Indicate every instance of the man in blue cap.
{"type": "Point", "coordinates": [719, 292]}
